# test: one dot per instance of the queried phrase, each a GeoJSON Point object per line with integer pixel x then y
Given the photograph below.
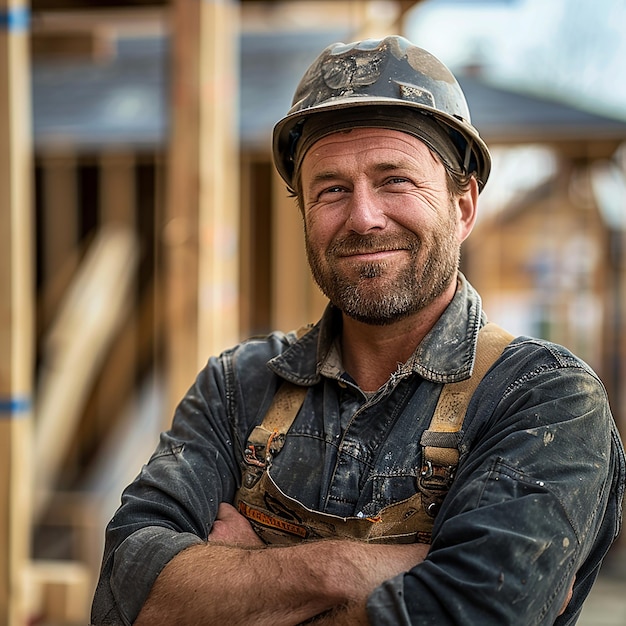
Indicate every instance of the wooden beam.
{"type": "Point", "coordinates": [59, 231]}
{"type": "Point", "coordinates": [296, 299]}
{"type": "Point", "coordinates": [117, 191]}
{"type": "Point", "coordinates": [203, 206]}
{"type": "Point", "coordinates": [75, 346]}
{"type": "Point", "coordinates": [16, 309]}
{"type": "Point", "coordinates": [59, 592]}
{"type": "Point", "coordinates": [88, 5]}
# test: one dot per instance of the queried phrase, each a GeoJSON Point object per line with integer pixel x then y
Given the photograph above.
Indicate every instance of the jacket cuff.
{"type": "Point", "coordinates": [139, 560]}
{"type": "Point", "coordinates": [386, 605]}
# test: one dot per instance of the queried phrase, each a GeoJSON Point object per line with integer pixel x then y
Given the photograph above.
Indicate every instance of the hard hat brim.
{"type": "Point", "coordinates": [283, 130]}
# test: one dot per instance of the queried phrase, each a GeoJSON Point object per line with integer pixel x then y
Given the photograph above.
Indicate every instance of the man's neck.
{"type": "Point", "coordinates": [371, 353]}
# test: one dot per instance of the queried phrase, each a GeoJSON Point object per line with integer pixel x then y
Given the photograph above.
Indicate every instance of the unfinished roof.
{"type": "Point", "coordinates": [124, 100]}
{"type": "Point", "coordinates": [506, 116]}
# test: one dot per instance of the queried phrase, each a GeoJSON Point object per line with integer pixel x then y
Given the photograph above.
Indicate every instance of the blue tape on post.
{"type": "Point", "coordinates": [13, 407]}
{"type": "Point", "coordinates": [17, 18]}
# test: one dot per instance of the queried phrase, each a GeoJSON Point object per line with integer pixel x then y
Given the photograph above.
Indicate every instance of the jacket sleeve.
{"type": "Point", "coordinates": [536, 501]}
{"type": "Point", "coordinates": [173, 502]}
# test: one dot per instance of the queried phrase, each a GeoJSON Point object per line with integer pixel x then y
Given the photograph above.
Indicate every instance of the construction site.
{"type": "Point", "coordinates": [145, 229]}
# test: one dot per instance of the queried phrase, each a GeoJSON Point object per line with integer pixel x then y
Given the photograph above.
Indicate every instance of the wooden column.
{"type": "Point", "coordinates": [203, 207]}
{"type": "Point", "coordinates": [59, 217]}
{"type": "Point", "coordinates": [58, 227]}
{"type": "Point", "coordinates": [118, 208]}
{"type": "Point", "coordinates": [16, 309]}
{"type": "Point", "coordinates": [117, 190]}
{"type": "Point", "coordinates": [296, 299]}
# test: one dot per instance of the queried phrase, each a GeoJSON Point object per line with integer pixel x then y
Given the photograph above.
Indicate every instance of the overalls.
{"type": "Point", "coordinates": [280, 519]}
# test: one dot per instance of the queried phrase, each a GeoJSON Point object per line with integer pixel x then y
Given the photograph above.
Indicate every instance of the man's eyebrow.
{"type": "Point", "coordinates": [385, 166]}
{"type": "Point", "coordinates": [390, 165]}
{"type": "Point", "coordinates": [322, 177]}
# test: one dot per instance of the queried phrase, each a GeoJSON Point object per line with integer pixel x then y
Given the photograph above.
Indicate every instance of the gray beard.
{"type": "Point", "coordinates": [375, 299]}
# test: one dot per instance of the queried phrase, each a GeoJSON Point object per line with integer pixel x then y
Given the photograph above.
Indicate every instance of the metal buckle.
{"type": "Point", "coordinates": [436, 477]}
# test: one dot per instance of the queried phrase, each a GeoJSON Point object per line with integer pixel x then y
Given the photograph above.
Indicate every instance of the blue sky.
{"type": "Point", "coordinates": [573, 50]}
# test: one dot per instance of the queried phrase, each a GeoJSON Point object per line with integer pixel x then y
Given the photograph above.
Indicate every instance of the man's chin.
{"type": "Point", "coordinates": [370, 307]}
{"type": "Point", "coordinates": [374, 319]}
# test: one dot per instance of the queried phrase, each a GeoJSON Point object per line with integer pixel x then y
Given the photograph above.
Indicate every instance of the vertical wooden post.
{"type": "Point", "coordinates": [296, 300]}
{"type": "Point", "coordinates": [203, 206]}
{"type": "Point", "coordinates": [118, 207]}
{"type": "Point", "coordinates": [246, 236]}
{"type": "Point", "coordinates": [59, 231]}
{"type": "Point", "coordinates": [60, 213]}
{"type": "Point", "coordinates": [117, 191]}
{"type": "Point", "coordinates": [16, 309]}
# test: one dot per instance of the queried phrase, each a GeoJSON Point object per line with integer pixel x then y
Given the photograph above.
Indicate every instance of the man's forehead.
{"type": "Point", "coordinates": [375, 121]}
{"type": "Point", "coordinates": [404, 147]}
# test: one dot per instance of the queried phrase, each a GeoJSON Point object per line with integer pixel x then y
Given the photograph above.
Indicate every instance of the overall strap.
{"type": "Point", "coordinates": [269, 437]}
{"type": "Point", "coordinates": [440, 441]}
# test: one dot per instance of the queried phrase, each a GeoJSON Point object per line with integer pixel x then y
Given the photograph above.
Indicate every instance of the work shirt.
{"type": "Point", "coordinates": [536, 499]}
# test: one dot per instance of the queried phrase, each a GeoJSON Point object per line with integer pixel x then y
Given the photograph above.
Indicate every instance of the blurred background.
{"type": "Point", "coordinates": [143, 228]}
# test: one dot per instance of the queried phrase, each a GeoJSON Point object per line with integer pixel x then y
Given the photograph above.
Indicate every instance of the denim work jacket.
{"type": "Point", "coordinates": [536, 499]}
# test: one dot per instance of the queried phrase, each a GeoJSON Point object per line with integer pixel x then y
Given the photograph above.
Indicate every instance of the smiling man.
{"type": "Point", "coordinates": [402, 461]}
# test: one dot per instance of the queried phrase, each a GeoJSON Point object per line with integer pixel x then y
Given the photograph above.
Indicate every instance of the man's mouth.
{"type": "Point", "coordinates": [372, 246]}
{"type": "Point", "coordinates": [372, 254]}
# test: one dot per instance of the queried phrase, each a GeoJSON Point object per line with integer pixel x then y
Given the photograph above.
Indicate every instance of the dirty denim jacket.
{"type": "Point", "coordinates": [535, 502]}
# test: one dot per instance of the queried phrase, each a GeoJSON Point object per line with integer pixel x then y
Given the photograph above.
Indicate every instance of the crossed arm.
{"type": "Point", "coordinates": [325, 582]}
{"type": "Point", "coordinates": [218, 582]}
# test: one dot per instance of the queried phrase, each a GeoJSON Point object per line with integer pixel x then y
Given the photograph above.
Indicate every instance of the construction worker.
{"type": "Point", "coordinates": [403, 461]}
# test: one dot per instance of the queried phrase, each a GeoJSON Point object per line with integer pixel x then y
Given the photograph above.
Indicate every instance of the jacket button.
{"type": "Point", "coordinates": [433, 508]}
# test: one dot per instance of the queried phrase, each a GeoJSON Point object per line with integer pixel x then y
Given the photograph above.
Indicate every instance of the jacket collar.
{"type": "Point", "coordinates": [445, 355]}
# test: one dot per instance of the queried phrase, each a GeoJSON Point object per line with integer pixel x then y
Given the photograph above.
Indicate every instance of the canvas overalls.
{"type": "Point", "coordinates": [280, 519]}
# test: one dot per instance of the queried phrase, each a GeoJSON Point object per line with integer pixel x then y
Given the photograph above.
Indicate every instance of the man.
{"type": "Point", "coordinates": [313, 476]}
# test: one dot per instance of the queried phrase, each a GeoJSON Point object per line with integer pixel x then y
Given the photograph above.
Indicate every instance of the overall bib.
{"type": "Point", "coordinates": [280, 519]}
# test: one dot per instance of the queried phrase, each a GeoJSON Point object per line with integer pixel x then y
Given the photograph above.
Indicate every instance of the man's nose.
{"type": "Point", "coordinates": [366, 211]}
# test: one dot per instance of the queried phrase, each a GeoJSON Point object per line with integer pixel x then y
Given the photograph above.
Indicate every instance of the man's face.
{"type": "Point", "coordinates": [382, 232]}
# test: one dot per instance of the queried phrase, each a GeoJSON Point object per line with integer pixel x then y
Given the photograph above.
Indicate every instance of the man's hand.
{"type": "Point", "coordinates": [233, 529]}
{"type": "Point", "coordinates": [570, 593]}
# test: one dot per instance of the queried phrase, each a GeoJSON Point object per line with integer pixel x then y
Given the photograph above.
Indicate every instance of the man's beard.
{"type": "Point", "coordinates": [382, 294]}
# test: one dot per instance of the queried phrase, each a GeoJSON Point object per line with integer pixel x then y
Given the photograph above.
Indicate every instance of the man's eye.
{"type": "Point", "coordinates": [331, 190]}
{"type": "Point", "coordinates": [397, 180]}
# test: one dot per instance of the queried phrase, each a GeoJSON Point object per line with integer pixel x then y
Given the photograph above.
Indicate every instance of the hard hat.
{"type": "Point", "coordinates": [379, 74]}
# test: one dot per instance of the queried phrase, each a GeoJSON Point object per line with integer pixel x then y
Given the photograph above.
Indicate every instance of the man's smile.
{"type": "Point", "coordinates": [373, 255]}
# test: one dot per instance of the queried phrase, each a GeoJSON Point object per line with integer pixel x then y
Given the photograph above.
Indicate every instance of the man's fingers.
{"type": "Point", "coordinates": [226, 512]}
{"type": "Point", "coordinates": [232, 528]}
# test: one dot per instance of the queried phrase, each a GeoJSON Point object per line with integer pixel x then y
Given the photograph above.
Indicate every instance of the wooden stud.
{"type": "Point", "coordinates": [203, 206]}
{"type": "Point", "coordinates": [60, 214]}
{"type": "Point", "coordinates": [117, 189]}
{"type": "Point", "coordinates": [92, 312]}
{"type": "Point", "coordinates": [16, 309]}
{"type": "Point", "coordinates": [118, 208]}
{"type": "Point", "coordinates": [58, 592]}
{"type": "Point", "coordinates": [59, 228]}
{"type": "Point", "coordinates": [246, 239]}
{"type": "Point", "coordinates": [296, 299]}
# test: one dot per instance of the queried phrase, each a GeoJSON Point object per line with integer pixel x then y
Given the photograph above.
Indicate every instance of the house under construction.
{"type": "Point", "coordinates": [144, 229]}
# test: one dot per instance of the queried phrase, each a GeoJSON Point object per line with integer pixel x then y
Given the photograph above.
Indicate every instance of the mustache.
{"type": "Point", "coordinates": [359, 244]}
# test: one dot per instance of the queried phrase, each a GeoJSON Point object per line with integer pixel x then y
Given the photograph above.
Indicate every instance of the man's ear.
{"type": "Point", "coordinates": [467, 205]}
